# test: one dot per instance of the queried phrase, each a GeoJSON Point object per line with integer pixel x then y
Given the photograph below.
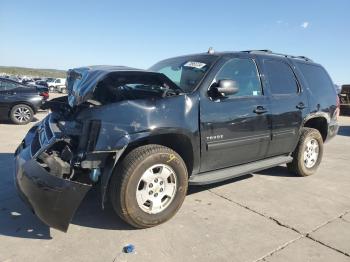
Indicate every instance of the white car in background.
{"type": "Point", "coordinates": [59, 85]}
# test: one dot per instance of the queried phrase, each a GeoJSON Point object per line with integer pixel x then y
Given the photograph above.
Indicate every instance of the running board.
{"type": "Point", "coordinates": [231, 172]}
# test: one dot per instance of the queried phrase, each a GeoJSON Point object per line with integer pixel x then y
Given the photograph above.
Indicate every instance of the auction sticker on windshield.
{"type": "Point", "coordinates": [198, 65]}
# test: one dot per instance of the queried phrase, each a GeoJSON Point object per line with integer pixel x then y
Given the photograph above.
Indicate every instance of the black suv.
{"type": "Point", "coordinates": [143, 136]}
{"type": "Point", "coordinates": [19, 102]}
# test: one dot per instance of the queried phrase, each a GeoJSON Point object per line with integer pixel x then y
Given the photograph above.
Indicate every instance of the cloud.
{"type": "Point", "coordinates": [305, 25]}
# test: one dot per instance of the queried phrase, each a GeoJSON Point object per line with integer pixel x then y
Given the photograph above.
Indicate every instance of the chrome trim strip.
{"type": "Point", "coordinates": [221, 144]}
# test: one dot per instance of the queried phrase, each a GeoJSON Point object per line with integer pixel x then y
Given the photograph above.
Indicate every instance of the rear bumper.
{"type": "Point", "coordinates": [333, 128]}
{"type": "Point", "coordinates": [54, 200]}
{"type": "Point", "coordinates": [38, 104]}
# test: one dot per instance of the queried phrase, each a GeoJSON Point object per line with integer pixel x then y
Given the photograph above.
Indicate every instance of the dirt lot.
{"type": "Point", "coordinates": [268, 216]}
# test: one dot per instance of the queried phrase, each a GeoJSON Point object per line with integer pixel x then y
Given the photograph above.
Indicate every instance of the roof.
{"type": "Point", "coordinates": [269, 52]}
{"type": "Point", "coordinates": [8, 79]}
{"type": "Point", "coordinates": [263, 52]}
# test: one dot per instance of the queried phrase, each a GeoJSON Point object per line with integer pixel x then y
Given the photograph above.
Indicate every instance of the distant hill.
{"type": "Point", "coordinates": [10, 70]}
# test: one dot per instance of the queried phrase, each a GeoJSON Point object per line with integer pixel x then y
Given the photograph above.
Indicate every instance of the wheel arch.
{"type": "Point", "coordinates": [320, 123]}
{"type": "Point", "coordinates": [178, 142]}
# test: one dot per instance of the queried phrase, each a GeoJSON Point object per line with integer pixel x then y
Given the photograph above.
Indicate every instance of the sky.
{"type": "Point", "coordinates": [66, 33]}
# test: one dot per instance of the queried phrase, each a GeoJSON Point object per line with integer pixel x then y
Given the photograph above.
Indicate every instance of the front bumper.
{"type": "Point", "coordinates": [54, 200]}
{"type": "Point", "coordinates": [333, 128]}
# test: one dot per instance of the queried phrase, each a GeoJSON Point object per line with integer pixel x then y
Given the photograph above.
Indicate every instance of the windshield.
{"type": "Point", "coordinates": [186, 71]}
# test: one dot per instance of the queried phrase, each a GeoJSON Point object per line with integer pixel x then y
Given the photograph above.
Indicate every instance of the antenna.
{"type": "Point", "coordinates": [211, 50]}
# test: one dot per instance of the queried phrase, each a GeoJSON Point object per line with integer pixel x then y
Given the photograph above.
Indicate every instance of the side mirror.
{"type": "Point", "coordinates": [224, 88]}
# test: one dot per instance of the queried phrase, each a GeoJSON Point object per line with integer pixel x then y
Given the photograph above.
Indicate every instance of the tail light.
{"type": "Point", "coordinates": [337, 110]}
{"type": "Point", "coordinates": [45, 95]}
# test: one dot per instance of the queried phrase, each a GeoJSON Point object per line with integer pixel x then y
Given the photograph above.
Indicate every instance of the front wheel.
{"type": "Point", "coordinates": [149, 186]}
{"type": "Point", "coordinates": [308, 153]}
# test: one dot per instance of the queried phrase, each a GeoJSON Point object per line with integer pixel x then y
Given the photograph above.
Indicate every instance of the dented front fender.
{"type": "Point", "coordinates": [121, 145]}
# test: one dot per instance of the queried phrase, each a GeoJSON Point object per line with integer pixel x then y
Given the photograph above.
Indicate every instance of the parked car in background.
{"type": "Point", "coordinates": [143, 135]}
{"type": "Point", "coordinates": [29, 82]}
{"type": "Point", "coordinates": [26, 81]}
{"type": "Point", "coordinates": [14, 78]}
{"type": "Point", "coordinates": [59, 85]}
{"type": "Point", "coordinates": [41, 83]}
{"type": "Point", "coordinates": [19, 102]}
{"type": "Point", "coordinates": [49, 79]}
{"type": "Point", "coordinates": [40, 86]}
{"type": "Point", "coordinates": [344, 98]}
{"type": "Point", "coordinates": [62, 89]}
{"type": "Point", "coordinates": [51, 85]}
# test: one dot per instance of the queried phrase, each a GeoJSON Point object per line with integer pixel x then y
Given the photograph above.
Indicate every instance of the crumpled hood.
{"type": "Point", "coordinates": [81, 82]}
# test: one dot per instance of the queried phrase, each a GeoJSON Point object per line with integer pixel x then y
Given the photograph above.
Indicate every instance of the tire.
{"type": "Point", "coordinates": [302, 165]}
{"type": "Point", "coordinates": [21, 114]}
{"type": "Point", "coordinates": [127, 186]}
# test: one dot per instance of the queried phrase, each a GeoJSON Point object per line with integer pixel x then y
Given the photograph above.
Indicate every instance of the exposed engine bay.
{"type": "Point", "coordinates": [59, 145]}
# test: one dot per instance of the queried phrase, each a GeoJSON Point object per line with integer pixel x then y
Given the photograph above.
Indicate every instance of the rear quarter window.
{"type": "Point", "coordinates": [319, 82]}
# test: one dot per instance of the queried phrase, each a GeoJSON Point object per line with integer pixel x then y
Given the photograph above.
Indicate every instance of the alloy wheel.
{"type": "Point", "coordinates": [156, 189]}
{"type": "Point", "coordinates": [311, 153]}
{"type": "Point", "coordinates": [22, 114]}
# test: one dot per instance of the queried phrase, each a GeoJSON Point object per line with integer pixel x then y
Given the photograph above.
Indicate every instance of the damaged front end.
{"type": "Point", "coordinates": [80, 142]}
{"type": "Point", "coordinates": [56, 164]}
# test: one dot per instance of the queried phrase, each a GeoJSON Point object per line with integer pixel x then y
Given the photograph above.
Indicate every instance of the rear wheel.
{"type": "Point", "coordinates": [21, 114]}
{"type": "Point", "coordinates": [308, 154]}
{"type": "Point", "coordinates": [149, 186]}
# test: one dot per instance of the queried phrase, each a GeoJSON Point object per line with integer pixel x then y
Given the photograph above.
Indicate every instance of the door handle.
{"type": "Point", "coordinates": [260, 110]}
{"type": "Point", "coordinates": [300, 105]}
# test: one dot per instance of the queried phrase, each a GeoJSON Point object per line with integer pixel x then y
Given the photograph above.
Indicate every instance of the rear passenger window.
{"type": "Point", "coordinates": [317, 79]}
{"type": "Point", "coordinates": [244, 72]}
{"type": "Point", "coordinates": [281, 78]}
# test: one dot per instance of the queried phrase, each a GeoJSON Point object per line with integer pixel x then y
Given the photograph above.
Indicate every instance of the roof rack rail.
{"type": "Point", "coordinates": [278, 54]}
{"type": "Point", "coordinates": [261, 50]}
{"type": "Point", "coordinates": [304, 57]}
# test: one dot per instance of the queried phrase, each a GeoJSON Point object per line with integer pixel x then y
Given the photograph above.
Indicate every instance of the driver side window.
{"type": "Point", "coordinates": [244, 72]}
